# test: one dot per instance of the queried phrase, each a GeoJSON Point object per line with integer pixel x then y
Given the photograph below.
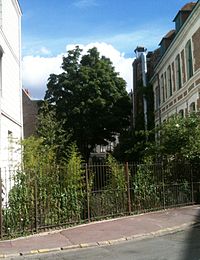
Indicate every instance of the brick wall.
{"type": "Point", "coordinates": [196, 52]}
{"type": "Point", "coordinates": [30, 112]}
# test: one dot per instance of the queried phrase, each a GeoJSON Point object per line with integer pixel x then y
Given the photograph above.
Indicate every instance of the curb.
{"type": "Point", "coordinates": [106, 242]}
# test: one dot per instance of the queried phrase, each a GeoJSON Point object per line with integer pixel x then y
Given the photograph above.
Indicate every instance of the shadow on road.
{"type": "Point", "coordinates": [192, 250]}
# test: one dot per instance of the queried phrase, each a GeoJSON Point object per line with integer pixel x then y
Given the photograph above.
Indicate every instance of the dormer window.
{"type": "Point", "coordinates": [166, 41]}
{"type": "Point", "coordinates": [182, 15]}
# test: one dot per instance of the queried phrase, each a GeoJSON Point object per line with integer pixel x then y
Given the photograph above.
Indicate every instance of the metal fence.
{"type": "Point", "coordinates": [33, 201]}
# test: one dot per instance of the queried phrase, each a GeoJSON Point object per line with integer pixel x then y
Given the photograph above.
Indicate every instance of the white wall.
{"type": "Point", "coordinates": [10, 97]}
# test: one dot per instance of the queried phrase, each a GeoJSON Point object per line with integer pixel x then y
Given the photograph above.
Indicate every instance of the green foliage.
{"type": "Point", "coordinates": [146, 92]}
{"type": "Point", "coordinates": [134, 142]}
{"type": "Point", "coordinates": [36, 154]}
{"type": "Point", "coordinates": [145, 187]}
{"type": "Point", "coordinates": [89, 99]}
{"type": "Point", "coordinates": [56, 193]}
{"type": "Point", "coordinates": [73, 186]}
{"type": "Point", "coordinates": [51, 132]}
{"type": "Point", "coordinates": [112, 198]}
{"type": "Point", "coordinates": [117, 175]}
{"type": "Point", "coordinates": [179, 138]}
{"type": "Point", "coordinates": [133, 145]}
{"type": "Point", "coordinates": [18, 216]}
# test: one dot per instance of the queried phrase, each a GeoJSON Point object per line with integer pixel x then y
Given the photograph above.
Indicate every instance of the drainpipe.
{"type": "Point", "coordinates": [144, 81]}
{"type": "Point", "coordinates": [1, 55]}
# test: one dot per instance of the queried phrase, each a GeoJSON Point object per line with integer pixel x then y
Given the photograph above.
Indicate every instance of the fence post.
{"type": "Point", "coordinates": [1, 215]}
{"type": "Point", "coordinates": [36, 208]}
{"type": "Point", "coordinates": [192, 184]}
{"type": "Point", "coordinates": [88, 197]}
{"type": "Point", "coordinates": [163, 186]}
{"type": "Point", "coordinates": [128, 188]}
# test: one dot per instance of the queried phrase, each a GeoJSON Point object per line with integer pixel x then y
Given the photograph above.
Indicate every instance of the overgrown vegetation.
{"type": "Point", "coordinates": [45, 193]}
{"type": "Point", "coordinates": [111, 197]}
{"type": "Point", "coordinates": [146, 185]}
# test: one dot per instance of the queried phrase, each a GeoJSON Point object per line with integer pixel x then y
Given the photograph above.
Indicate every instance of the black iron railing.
{"type": "Point", "coordinates": [33, 201]}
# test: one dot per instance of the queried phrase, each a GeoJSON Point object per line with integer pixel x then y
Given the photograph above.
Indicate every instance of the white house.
{"type": "Point", "coordinates": [11, 130]}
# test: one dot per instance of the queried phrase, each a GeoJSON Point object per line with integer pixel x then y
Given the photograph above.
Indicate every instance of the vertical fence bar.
{"type": "Point", "coordinates": [128, 187]}
{"type": "Point", "coordinates": [192, 183]}
{"type": "Point", "coordinates": [163, 186]}
{"type": "Point", "coordinates": [36, 208]}
{"type": "Point", "coordinates": [88, 196]}
{"type": "Point", "coordinates": [1, 215]}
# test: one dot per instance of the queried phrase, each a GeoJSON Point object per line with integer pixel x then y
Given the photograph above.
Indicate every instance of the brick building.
{"type": "Point", "coordinates": [176, 79]}
{"type": "Point", "coordinates": [30, 113]}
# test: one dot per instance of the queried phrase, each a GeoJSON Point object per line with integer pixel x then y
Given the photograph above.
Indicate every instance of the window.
{"type": "Point", "coordinates": [181, 113]}
{"type": "Point", "coordinates": [178, 72]}
{"type": "Point", "coordinates": [157, 98]}
{"type": "Point", "coordinates": [178, 22]}
{"type": "Point", "coordinates": [189, 63]}
{"type": "Point", "coordinates": [165, 85]}
{"type": "Point", "coordinates": [192, 107]}
{"type": "Point", "coordinates": [102, 149]}
{"type": "Point", "coordinates": [169, 81]}
{"type": "Point", "coordinates": [162, 88]}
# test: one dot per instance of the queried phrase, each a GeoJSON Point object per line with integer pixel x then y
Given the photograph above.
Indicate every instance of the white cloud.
{"type": "Point", "coordinates": [36, 69]}
{"type": "Point", "coordinates": [45, 51]}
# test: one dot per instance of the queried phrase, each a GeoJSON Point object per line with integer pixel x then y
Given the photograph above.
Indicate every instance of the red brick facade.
{"type": "Point", "coordinates": [196, 46]}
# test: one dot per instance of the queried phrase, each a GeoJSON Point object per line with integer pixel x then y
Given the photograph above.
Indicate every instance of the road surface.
{"type": "Point", "coordinates": [183, 245]}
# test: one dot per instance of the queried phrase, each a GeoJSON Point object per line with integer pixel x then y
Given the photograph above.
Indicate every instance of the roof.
{"type": "Point", "coordinates": [186, 8]}
{"type": "Point", "coordinates": [169, 35]}
{"type": "Point", "coordinates": [195, 7]}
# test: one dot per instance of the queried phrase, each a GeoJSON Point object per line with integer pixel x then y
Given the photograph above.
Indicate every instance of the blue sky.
{"type": "Point", "coordinates": [50, 27]}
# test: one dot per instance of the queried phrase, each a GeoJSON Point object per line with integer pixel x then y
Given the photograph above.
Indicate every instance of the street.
{"type": "Point", "coordinates": [182, 245]}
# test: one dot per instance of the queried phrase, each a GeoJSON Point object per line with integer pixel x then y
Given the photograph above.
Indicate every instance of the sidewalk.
{"type": "Point", "coordinates": [104, 232]}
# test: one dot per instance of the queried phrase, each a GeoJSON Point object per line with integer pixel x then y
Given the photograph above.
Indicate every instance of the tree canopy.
{"type": "Point", "coordinates": [176, 139]}
{"type": "Point", "coordinates": [89, 99]}
{"type": "Point", "coordinates": [179, 138]}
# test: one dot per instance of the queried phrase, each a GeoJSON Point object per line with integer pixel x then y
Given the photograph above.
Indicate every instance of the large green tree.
{"type": "Point", "coordinates": [89, 99]}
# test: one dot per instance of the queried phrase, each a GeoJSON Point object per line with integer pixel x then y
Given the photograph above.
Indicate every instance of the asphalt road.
{"type": "Point", "coordinates": [183, 245]}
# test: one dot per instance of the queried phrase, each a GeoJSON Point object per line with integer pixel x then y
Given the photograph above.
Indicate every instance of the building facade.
{"type": "Point", "coordinates": [142, 93]}
{"type": "Point", "coordinates": [176, 80]}
{"type": "Point", "coordinates": [11, 130]}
